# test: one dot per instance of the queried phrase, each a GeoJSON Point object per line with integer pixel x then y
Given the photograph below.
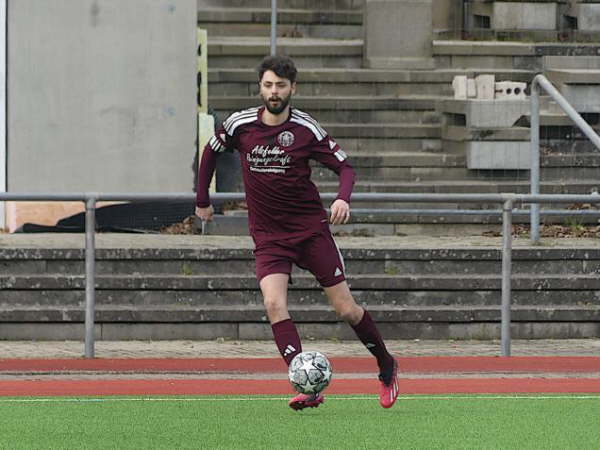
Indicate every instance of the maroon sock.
{"type": "Point", "coordinates": [287, 339]}
{"type": "Point", "coordinates": [367, 332]}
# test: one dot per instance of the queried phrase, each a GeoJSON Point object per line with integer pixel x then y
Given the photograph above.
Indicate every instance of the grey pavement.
{"type": "Point", "coordinates": [266, 349]}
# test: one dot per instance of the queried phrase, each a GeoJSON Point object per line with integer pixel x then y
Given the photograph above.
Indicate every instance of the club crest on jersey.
{"type": "Point", "coordinates": [285, 138]}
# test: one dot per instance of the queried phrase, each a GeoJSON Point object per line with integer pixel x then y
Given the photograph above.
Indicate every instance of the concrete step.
{"type": "Point", "coordinates": [405, 159]}
{"type": "Point", "coordinates": [328, 5]}
{"type": "Point", "coordinates": [353, 82]}
{"type": "Point", "coordinates": [359, 281]}
{"type": "Point", "coordinates": [573, 62]}
{"type": "Point", "coordinates": [335, 89]}
{"type": "Point", "coordinates": [504, 54]}
{"type": "Point", "coordinates": [75, 299]}
{"type": "Point", "coordinates": [383, 131]}
{"type": "Point", "coordinates": [354, 102]}
{"type": "Point", "coordinates": [554, 138]}
{"type": "Point", "coordinates": [398, 174]}
{"type": "Point", "coordinates": [227, 52]}
{"type": "Point", "coordinates": [357, 261]}
{"type": "Point", "coordinates": [315, 313]}
{"type": "Point", "coordinates": [481, 186]}
{"type": "Point", "coordinates": [538, 36]}
{"type": "Point", "coordinates": [419, 289]}
{"type": "Point", "coordinates": [368, 76]}
{"type": "Point", "coordinates": [336, 24]}
{"type": "Point", "coordinates": [354, 109]}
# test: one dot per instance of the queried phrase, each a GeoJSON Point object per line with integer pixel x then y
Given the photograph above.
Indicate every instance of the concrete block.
{"type": "Point", "coordinates": [485, 87]}
{"type": "Point", "coordinates": [588, 18]}
{"type": "Point", "coordinates": [574, 76]}
{"type": "Point", "coordinates": [471, 88]}
{"type": "Point", "coordinates": [447, 15]}
{"type": "Point", "coordinates": [510, 90]}
{"type": "Point", "coordinates": [524, 16]}
{"type": "Point", "coordinates": [487, 114]}
{"type": "Point", "coordinates": [498, 155]}
{"type": "Point", "coordinates": [460, 134]}
{"type": "Point", "coordinates": [583, 97]}
{"type": "Point", "coordinates": [496, 114]}
{"type": "Point", "coordinates": [571, 62]}
{"type": "Point", "coordinates": [459, 84]}
{"type": "Point", "coordinates": [398, 34]}
{"type": "Point", "coordinates": [483, 48]}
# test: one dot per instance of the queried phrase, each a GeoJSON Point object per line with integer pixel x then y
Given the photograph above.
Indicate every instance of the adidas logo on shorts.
{"type": "Point", "coordinates": [338, 272]}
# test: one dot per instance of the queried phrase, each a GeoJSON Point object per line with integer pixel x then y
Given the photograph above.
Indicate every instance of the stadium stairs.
{"type": "Point", "coordinates": [194, 287]}
{"type": "Point", "coordinates": [386, 120]}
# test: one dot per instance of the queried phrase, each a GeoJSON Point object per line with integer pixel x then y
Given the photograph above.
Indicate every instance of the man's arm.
{"type": "Point", "coordinates": [206, 170]}
{"type": "Point", "coordinates": [329, 153]}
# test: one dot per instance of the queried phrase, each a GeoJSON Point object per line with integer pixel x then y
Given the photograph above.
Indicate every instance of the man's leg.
{"type": "Point", "coordinates": [274, 290]}
{"type": "Point", "coordinates": [360, 320]}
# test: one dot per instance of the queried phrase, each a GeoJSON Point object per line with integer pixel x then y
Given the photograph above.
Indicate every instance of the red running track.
{"type": "Point", "coordinates": [282, 387]}
{"type": "Point", "coordinates": [439, 364]}
{"type": "Point", "coordinates": [479, 365]}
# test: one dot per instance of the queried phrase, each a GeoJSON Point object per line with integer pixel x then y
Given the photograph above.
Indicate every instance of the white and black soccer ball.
{"type": "Point", "coordinates": [310, 372]}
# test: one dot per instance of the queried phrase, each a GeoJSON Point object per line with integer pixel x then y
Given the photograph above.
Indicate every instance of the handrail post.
{"type": "Point", "coordinates": [90, 274]}
{"type": "Point", "coordinates": [506, 275]}
{"type": "Point", "coordinates": [534, 220]}
{"type": "Point", "coordinates": [273, 27]}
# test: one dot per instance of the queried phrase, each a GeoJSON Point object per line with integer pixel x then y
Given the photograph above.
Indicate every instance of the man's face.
{"type": "Point", "coordinates": [276, 92]}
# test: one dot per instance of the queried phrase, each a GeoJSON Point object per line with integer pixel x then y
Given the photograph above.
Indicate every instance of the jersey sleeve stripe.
{"type": "Point", "coordinates": [235, 118]}
{"type": "Point", "coordinates": [239, 122]}
{"type": "Point", "coordinates": [309, 118]}
{"type": "Point", "coordinates": [252, 112]}
{"type": "Point", "coordinates": [340, 155]}
{"type": "Point", "coordinates": [239, 115]}
{"type": "Point", "coordinates": [216, 145]}
{"type": "Point", "coordinates": [320, 136]}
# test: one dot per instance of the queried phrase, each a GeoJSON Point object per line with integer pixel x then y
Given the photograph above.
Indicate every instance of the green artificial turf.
{"type": "Point", "coordinates": [478, 422]}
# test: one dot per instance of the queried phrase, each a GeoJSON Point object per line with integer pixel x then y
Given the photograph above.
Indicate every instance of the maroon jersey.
{"type": "Point", "coordinates": [282, 200]}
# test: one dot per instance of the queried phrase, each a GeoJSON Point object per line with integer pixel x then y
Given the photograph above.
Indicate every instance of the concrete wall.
{"type": "Point", "coordinates": [447, 16]}
{"type": "Point", "coordinates": [398, 34]}
{"type": "Point", "coordinates": [2, 108]}
{"type": "Point", "coordinates": [101, 95]}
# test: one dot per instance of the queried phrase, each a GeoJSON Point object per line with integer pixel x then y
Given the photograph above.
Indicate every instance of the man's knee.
{"type": "Point", "coordinates": [274, 303]}
{"type": "Point", "coordinates": [349, 312]}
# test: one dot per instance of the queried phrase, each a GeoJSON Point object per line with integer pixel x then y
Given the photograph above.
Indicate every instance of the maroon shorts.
{"type": "Point", "coordinates": [317, 253]}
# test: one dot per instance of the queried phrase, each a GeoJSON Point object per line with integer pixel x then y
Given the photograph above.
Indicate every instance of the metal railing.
{"type": "Point", "coordinates": [273, 27]}
{"type": "Point", "coordinates": [541, 82]}
{"type": "Point", "coordinates": [508, 202]}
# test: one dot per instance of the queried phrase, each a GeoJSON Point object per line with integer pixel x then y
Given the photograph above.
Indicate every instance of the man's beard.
{"type": "Point", "coordinates": [283, 102]}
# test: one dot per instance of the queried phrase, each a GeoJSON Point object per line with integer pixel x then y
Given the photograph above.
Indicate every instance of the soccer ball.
{"type": "Point", "coordinates": [310, 372]}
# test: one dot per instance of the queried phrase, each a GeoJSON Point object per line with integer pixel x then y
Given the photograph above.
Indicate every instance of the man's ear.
{"type": "Point", "coordinates": [294, 88]}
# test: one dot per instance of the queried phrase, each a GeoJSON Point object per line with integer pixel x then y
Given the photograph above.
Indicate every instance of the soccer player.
{"type": "Point", "coordinates": [286, 218]}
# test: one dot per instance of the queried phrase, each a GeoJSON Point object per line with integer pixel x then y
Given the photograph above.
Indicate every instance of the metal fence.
{"type": "Point", "coordinates": [508, 201]}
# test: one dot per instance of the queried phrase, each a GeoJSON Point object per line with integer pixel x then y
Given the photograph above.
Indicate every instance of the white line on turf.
{"type": "Point", "coordinates": [242, 399]}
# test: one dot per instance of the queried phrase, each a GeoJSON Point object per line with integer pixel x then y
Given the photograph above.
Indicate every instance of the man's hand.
{"type": "Point", "coordinates": [205, 214]}
{"type": "Point", "coordinates": [340, 212]}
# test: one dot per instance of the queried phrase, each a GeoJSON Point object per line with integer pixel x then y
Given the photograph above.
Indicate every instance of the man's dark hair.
{"type": "Point", "coordinates": [282, 66]}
